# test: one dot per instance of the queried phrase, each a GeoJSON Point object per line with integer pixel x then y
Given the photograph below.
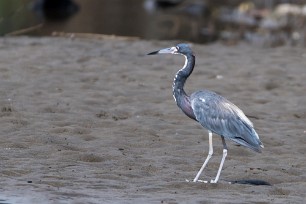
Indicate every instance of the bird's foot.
{"type": "Point", "coordinates": [213, 181]}
{"type": "Point", "coordinates": [200, 181]}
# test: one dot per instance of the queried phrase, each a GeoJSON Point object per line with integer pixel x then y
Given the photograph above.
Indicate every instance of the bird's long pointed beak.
{"type": "Point", "coordinates": [153, 53]}
{"type": "Point", "coordinates": [170, 50]}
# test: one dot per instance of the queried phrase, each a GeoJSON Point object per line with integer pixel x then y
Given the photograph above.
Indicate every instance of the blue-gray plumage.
{"type": "Point", "coordinates": [222, 117]}
{"type": "Point", "coordinates": [214, 112]}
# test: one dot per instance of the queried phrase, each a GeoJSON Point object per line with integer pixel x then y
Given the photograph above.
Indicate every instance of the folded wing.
{"type": "Point", "coordinates": [222, 117]}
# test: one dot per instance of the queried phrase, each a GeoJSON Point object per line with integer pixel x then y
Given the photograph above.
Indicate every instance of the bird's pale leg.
{"type": "Point", "coordinates": [210, 153]}
{"type": "Point", "coordinates": [222, 161]}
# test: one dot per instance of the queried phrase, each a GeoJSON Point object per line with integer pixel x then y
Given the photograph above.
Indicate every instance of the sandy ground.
{"type": "Point", "coordinates": [94, 121]}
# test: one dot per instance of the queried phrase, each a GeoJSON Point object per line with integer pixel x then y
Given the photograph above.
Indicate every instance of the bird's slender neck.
{"type": "Point", "coordinates": [181, 77]}
{"type": "Point", "coordinates": [179, 94]}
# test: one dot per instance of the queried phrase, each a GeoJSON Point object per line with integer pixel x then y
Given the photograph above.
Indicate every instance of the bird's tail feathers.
{"type": "Point", "coordinates": [251, 141]}
{"type": "Point", "coordinates": [256, 148]}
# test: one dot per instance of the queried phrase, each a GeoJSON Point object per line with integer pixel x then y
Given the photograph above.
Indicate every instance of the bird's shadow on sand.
{"type": "Point", "coordinates": [254, 182]}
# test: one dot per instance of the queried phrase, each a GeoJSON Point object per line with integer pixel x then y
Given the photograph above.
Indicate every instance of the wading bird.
{"type": "Point", "coordinates": [214, 112]}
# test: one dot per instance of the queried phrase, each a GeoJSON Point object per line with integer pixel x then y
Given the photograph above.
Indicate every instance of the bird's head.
{"type": "Point", "coordinates": [183, 49]}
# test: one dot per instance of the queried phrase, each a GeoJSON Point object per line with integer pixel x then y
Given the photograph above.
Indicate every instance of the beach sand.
{"type": "Point", "coordinates": [94, 121]}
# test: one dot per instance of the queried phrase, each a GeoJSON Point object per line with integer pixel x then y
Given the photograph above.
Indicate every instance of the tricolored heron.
{"type": "Point", "coordinates": [214, 112]}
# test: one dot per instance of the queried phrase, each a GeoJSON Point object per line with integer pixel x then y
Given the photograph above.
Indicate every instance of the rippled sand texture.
{"type": "Point", "coordinates": [93, 121]}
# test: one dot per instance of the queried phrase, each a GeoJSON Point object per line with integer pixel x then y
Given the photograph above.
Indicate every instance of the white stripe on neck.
{"type": "Point", "coordinates": [185, 64]}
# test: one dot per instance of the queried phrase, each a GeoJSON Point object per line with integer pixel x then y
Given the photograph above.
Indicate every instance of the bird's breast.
{"type": "Point", "coordinates": [185, 105]}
